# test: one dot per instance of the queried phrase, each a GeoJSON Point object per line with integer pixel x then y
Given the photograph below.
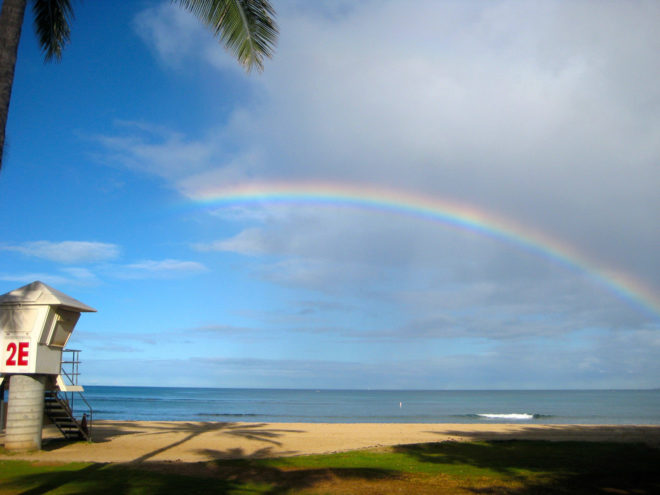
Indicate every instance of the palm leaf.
{"type": "Point", "coordinates": [246, 27]}
{"type": "Point", "coordinates": [51, 22]}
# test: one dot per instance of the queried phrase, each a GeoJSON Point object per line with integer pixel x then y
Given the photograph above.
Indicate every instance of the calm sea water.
{"type": "Point", "coordinates": [375, 406]}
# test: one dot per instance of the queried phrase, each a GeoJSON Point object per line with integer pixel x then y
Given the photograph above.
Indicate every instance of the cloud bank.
{"type": "Point", "coordinates": [547, 114]}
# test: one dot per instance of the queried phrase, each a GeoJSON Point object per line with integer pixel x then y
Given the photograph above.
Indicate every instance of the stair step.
{"type": "Point", "coordinates": [59, 412]}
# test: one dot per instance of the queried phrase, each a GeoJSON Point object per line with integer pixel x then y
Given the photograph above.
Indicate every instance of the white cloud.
{"type": "Point", "coordinates": [26, 278]}
{"type": "Point", "coordinates": [178, 38]}
{"type": "Point", "coordinates": [67, 252]}
{"type": "Point", "coordinates": [70, 277]}
{"type": "Point", "coordinates": [156, 269]}
{"type": "Point", "coordinates": [517, 367]}
{"type": "Point", "coordinates": [539, 112]}
{"type": "Point", "coordinates": [96, 254]}
{"type": "Point", "coordinates": [545, 113]}
{"type": "Point", "coordinates": [517, 109]}
{"type": "Point", "coordinates": [250, 242]}
{"type": "Point", "coordinates": [171, 31]}
{"type": "Point", "coordinates": [164, 154]}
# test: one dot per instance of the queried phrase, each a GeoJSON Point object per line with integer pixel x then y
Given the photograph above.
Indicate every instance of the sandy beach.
{"type": "Point", "coordinates": [135, 441]}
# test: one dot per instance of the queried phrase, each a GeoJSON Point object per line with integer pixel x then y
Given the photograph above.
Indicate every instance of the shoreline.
{"type": "Point", "coordinates": [187, 441]}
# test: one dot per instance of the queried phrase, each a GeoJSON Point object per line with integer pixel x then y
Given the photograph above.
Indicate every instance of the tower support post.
{"type": "Point", "coordinates": [25, 412]}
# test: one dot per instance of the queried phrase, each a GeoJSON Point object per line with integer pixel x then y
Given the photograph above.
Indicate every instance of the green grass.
{"type": "Point", "coordinates": [504, 467]}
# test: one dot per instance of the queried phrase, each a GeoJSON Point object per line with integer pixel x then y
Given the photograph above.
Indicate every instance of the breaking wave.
{"type": "Point", "coordinates": [227, 415]}
{"type": "Point", "coordinates": [509, 416]}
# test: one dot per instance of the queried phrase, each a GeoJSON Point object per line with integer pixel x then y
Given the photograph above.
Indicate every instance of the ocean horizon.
{"type": "Point", "coordinates": [137, 403]}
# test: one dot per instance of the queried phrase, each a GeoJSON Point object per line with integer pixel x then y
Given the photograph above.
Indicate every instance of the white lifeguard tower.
{"type": "Point", "coordinates": [36, 322]}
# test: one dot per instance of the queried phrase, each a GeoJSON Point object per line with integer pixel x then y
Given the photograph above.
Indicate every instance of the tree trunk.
{"type": "Point", "coordinates": [11, 22]}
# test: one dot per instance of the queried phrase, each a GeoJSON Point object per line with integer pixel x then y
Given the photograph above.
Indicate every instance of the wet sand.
{"type": "Point", "coordinates": [140, 441]}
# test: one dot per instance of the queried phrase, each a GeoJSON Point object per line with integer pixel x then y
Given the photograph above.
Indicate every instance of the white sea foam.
{"type": "Point", "coordinates": [510, 416]}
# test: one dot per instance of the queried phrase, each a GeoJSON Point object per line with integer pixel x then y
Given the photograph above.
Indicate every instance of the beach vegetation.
{"type": "Point", "coordinates": [503, 467]}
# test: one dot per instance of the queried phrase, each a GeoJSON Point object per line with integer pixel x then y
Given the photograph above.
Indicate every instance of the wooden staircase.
{"type": "Point", "coordinates": [60, 414]}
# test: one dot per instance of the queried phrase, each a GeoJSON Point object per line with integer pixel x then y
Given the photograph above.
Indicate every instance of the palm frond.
{"type": "Point", "coordinates": [246, 27]}
{"type": "Point", "coordinates": [51, 22]}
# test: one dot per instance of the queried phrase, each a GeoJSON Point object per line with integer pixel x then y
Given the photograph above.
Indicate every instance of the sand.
{"type": "Point", "coordinates": [141, 441]}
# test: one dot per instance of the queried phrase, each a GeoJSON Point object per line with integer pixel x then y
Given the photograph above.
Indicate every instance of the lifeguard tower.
{"type": "Point", "coordinates": [36, 322]}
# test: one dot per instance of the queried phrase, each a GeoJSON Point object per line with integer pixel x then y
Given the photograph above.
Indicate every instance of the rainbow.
{"type": "Point", "coordinates": [452, 213]}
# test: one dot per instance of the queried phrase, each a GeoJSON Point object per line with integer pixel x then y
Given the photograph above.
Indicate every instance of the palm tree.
{"type": "Point", "coordinates": [246, 27]}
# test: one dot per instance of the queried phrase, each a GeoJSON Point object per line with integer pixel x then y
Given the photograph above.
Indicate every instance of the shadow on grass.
{"type": "Point", "coordinates": [106, 479]}
{"type": "Point", "coordinates": [494, 467]}
{"type": "Point", "coordinates": [549, 467]}
{"type": "Point", "coordinates": [161, 478]}
{"type": "Point", "coordinates": [239, 453]}
{"type": "Point", "coordinates": [275, 480]}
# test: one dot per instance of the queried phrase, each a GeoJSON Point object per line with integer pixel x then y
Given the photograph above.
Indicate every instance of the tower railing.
{"type": "Point", "coordinates": [70, 372]}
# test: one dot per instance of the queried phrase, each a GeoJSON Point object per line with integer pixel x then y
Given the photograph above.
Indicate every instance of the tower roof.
{"type": "Point", "coordinates": [38, 293]}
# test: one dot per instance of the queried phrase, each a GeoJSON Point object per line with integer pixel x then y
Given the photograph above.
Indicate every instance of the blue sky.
{"type": "Point", "coordinates": [545, 115]}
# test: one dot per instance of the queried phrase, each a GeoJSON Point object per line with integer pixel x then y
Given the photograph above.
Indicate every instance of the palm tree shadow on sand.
{"type": "Point", "coordinates": [108, 431]}
{"type": "Point", "coordinates": [258, 432]}
{"type": "Point", "coordinates": [255, 432]}
{"type": "Point", "coordinates": [648, 434]}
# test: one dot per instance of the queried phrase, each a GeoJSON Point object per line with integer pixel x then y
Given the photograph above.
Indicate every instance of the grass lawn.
{"type": "Point", "coordinates": [502, 467]}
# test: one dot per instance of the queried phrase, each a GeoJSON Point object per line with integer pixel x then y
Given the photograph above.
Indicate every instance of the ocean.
{"type": "Point", "coordinates": [375, 406]}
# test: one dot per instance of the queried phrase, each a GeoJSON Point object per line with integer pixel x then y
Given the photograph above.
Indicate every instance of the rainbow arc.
{"type": "Point", "coordinates": [452, 213]}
